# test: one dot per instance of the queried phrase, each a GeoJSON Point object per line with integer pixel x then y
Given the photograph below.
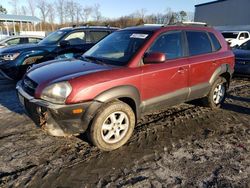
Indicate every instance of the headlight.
{"type": "Point", "coordinates": [10, 56]}
{"type": "Point", "coordinates": [57, 93]}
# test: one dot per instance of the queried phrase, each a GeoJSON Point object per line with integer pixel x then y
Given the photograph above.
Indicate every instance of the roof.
{"type": "Point", "coordinates": [18, 18]}
{"type": "Point", "coordinates": [89, 27]}
{"type": "Point", "coordinates": [208, 3]}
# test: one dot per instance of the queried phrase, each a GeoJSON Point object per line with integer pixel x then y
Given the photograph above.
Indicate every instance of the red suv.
{"type": "Point", "coordinates": [129, 73]}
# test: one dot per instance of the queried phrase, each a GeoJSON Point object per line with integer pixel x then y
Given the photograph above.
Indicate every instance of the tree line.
{"type": "Point", "coordinates": [61, 13]}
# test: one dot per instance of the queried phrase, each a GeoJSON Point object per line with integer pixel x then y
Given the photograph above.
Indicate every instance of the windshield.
{"type": "Point", "coordinates": [118, 48]}
{"type": "Point", "coordinates": [53, 38]}
{"type": "Point", "coordinates": [228, 35]}
{"type": "Point", "coordinates": [244, 46]}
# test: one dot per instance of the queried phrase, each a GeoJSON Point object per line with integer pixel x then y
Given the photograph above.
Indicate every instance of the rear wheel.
{"type": "Point", "coordinates": [112, 126]}
{"type": "Point", "coordinates": [217, 93]}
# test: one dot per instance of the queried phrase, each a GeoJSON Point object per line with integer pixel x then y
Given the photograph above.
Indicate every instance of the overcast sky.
{"type": "Point", "coordinates": [117, 8]}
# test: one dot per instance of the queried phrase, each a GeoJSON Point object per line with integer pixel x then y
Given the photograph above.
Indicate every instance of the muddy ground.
{"type": "Point", "coordinates": [182, 146]}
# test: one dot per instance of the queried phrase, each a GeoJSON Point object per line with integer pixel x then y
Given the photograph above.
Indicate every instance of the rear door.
{"type": "Point", "coordinates": [166, 83]}
{"type": "Point", "coordinates": [201, 61]}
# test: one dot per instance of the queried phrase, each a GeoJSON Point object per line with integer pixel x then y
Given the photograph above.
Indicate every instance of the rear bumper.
{"type": "Point", "coordinates": [58, 120]}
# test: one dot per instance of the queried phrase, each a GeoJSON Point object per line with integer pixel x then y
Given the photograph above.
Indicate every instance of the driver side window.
{"type": "Point", "coordinates": [76, 38]}
{"type": "Point", "coordinates": [170, 44]}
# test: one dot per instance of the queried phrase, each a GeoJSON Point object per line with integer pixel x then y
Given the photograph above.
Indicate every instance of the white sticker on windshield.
{"type": "Point", "coordinates": [139, 36]}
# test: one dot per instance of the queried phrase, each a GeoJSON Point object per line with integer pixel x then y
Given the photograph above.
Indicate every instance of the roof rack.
{"type": "Point", "coordinates": [192, 23]}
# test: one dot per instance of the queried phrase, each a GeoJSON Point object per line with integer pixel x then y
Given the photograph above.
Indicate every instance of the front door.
{"type": "Point", "coordinates": [166, 83]}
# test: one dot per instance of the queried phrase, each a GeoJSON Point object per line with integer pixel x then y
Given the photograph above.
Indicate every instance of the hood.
{"type": "Point", "coordinates": [23, 48]}
{"type": "Point", "coordinates": [63, 70]}
{"type": "Point", "coordinates": [242, 54]}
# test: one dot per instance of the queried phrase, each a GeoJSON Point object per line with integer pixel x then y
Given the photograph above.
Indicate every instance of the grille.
{"type": "Point", "coordinates": [29, 86]}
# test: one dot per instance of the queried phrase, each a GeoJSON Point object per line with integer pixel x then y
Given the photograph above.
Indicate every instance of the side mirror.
{"type": "Point", "coordinates": [242, 38]}
{"type": "Point", "coordinates": [154, 57]}
{"type": "Point", "coordinates": [64, 44]}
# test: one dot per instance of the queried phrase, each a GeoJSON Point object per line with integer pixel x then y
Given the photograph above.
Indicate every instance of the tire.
{"type": "Point", "coordinates": [217, 94]}
{"type": "Point", "coordinates": [112, 126]}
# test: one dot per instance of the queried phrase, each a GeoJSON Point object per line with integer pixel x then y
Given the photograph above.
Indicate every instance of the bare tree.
{"type": "Point", "coordinates": [70, 10]}
{"type": "Point", "coordinates": [140, 13]}
{"type": "Point", "coordinates": [42, 5]}
{"type": "Point", "coordinates": [15, 7]}
{"type": "Point", "coordinates": [24, 10]}
{"type": "Point", "coordinates": [97, 13]}
{"type": "Point", "coordinates": [78, 12]}
{"type": "Point", "coordinates": [32, 7]}
{"type": "Point", "coordinates": [86, 12]}
{"type": "Point", "coordinates": [51, 15]}
{"type": "Point", "coordinates": [60, 10]}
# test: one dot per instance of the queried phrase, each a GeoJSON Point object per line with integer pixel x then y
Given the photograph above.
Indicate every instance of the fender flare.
{"type": "Point", "coordinates": [125, 91]}
{"type": "Point", "coordinates": [224, 68]}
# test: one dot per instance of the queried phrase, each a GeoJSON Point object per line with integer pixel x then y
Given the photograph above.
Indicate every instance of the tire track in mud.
{"type": "Point", "coordinates": [22, 145]}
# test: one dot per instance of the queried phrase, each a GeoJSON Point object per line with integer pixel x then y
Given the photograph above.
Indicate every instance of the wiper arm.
{"type": "Point", "coordinates": [94, 59]}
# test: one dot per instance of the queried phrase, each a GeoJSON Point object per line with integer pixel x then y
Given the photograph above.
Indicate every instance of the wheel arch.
{"type": "Point", "coordinates": [127, 94]}
{"type": "Point", "coordinates": [224, 71]}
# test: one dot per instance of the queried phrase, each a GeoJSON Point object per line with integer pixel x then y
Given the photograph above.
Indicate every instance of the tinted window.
{"type": "Point", "coordinates": [198, 43]}
{"type": "Point", "coordinates": [23, 41]}
{"type": "Point", "coordinates": [170, 44]}
{"type": "Point", "coordinates": [229, 35]}
{"type": "Point", "coordinates": [98, 35]}
{"type": "Point", "coordinates": [215, 41]}
{"type": "Point", "coordinates": [76, 38]}
{"type": "Point", "coordinates": [13, 41]}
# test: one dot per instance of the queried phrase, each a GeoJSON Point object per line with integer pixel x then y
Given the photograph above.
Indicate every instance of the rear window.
{"type": "Point", "coordinates": [215, 42]}
{"type": "Point", "coordinates": [198, 43]}
{"type": "Point", "coordinates": [229, 35]}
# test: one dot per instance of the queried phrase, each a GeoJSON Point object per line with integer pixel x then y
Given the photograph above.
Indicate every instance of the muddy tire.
{"type": "Point", "coordinates": [217, 94]}
{"type": "Point", "coordinates": [112, 126]}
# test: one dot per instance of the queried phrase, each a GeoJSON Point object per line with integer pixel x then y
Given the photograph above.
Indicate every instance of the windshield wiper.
{"type": "Point", "coordinates": [94, 59]}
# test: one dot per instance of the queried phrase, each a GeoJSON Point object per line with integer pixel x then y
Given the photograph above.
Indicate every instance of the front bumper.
{"type": "Point", "coordinates": [58, 120]}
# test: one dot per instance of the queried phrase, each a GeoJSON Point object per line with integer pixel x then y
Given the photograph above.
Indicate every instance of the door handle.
{"type": "Point", "coordinates": [181, 70]}
{"type": "Point", "coordinates": [214, 63]}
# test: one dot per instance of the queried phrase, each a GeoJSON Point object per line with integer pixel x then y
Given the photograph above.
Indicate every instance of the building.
{"type": "Point", "coordinates": [225, 14]}
{"type": "Point", "coordinates": [9, 24]}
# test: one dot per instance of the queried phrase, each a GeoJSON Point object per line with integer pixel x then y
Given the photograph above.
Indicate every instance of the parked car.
{"type": "Point", "coordinates": [242, 62]}
{"type": "Point", "coordinates": [15, 60]}
{"type": "Point", "coordinates": [129, 73]}
{"type": "Point", "coordinates": [15, 40]}
{"type": "Point", "coordinates": [236, 38]}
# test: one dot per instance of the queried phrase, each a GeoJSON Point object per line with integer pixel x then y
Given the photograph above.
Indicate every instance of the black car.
{"type": "Point", "coordinates": [15, 60]}
{"type": "Point", "coordinates": [242, 59]}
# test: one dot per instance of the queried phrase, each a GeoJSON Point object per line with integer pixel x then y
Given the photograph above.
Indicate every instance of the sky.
{"type": "Point", "coordinates": [118, 8]}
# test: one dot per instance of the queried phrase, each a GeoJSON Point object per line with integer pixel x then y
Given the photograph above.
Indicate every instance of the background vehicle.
{"type": "Point", "coordinates": [236, 38]}
{"type": "Point", "coordinates": [15, 60]}
{"type": "Point", "coordinates": [129, 73]}
{"type": "Point", "coordinates": [15, 40]}
{"type": "Point", "coordinates": [242, 60]}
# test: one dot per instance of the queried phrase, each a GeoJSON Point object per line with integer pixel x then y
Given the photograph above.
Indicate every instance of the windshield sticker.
{"type": "Point", "coordinates": [139, 36]}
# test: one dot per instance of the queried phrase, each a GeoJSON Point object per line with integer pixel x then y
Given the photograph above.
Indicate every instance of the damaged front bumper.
{"type": "Point", "coordinates": [58, 120]}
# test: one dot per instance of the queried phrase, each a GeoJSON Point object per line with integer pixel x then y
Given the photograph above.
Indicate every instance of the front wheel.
{"type": "Point", "coordinates": [112, 126]}
{"type": "Point", "coordinates": [217, 93]}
